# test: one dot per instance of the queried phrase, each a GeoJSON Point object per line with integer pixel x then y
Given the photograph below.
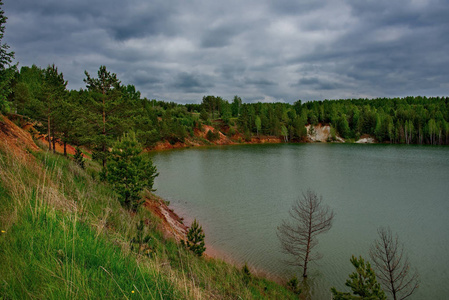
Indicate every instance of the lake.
{"type": "Point", "coordinates": [241, 194]}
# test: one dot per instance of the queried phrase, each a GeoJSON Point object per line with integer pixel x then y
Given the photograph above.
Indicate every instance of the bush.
{"type": "Point", "coordinates": [293, 285]}
{"type": "Point", "coordinates": [79, 158]}
{"type": "Point", "coordinates": [212, 136]}
{"type": "Point", "coordinates": [246, 274]}
{"type": "Point", "coordinates": [129, 172]}
{"type": "Point", "coordinates": [195, 239]}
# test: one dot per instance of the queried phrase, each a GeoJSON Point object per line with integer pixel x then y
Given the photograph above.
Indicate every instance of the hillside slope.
{"type": "Point", "coordinates": [64, 235]}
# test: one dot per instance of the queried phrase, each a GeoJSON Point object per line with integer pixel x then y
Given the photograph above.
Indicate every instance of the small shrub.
{"type": "Point", "coordinates": [293, 285]}
{"type": "Point", "coordinates": [195, 239]}
{"type": "Point", "coordinates": [312, 130]}
{"type": "Point", "coordinates": [212, 136]}
{"type": "Point", "coordinates": [79, 159]}
{"type": "Point", "coordinates": [246, 274]}
{"type": "Point", "coordinates": [333, 134]}
{"type": "Point", "coordinates": [247, 136]}
{"type": "Point", "coordinates": [140, 243]}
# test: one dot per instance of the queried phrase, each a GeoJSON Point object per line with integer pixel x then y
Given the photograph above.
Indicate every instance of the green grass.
{"type": "Point", "coordinates": [52, 256]}
{"type": "Point", "coordinates": [67, 237]}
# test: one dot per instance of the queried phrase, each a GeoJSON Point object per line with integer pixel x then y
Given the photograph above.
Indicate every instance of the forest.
{"type": "Point", "coordinates": [105, 109]}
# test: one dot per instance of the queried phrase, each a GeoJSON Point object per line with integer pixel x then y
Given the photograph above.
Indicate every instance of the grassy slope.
{"type": "Point", "coordinates": [65, 236]}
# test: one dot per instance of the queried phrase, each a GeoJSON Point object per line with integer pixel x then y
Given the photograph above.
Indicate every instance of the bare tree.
{"type": "Point", "coordinates": [393, 266]}
{"type": "Point", "coordinates": [299, 236]}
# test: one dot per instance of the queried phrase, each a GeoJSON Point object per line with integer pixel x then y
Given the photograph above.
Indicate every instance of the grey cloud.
{"type": "Point", "coordinates": [218, 37]}
{"type": "Point", "coordinates": [259, 50]}
{"type": "Point", "coordinates": [144, 78]}
{"type": "Point", "coordinates": [191, 83]}
{"type": "Point", "coordinates": [318, 84]}
{"type": "Point", "coordinates": [288, 7]}
{"type": "Point", "coordinates": [308, 81]}
{"type": "Point", "coordinates": [260, 82]}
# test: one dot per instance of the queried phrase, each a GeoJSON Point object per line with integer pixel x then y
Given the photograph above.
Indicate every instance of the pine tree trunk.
{"type": "Point", "coordinates": [104, 131]}
{"type": "Point", "coordinates": [53, 141]}
{"type": "Point", "coordinates": [48, 131]}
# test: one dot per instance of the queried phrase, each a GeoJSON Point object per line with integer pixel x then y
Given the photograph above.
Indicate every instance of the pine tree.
{"type": "Point", "coordinates": [54, 92]}
{"type": "Point", "coordinates": [195, 239]}
{"type": "Point", "coordinates": [362, 282]}
{"type": "Point", "coordinates": [129, 172]}
{"type": "Point", "coordinates": [105, 112]}
{"type": "Point", "coordinates": [6, 71]}
{"type": "Point", "coordinates": [79, 159]}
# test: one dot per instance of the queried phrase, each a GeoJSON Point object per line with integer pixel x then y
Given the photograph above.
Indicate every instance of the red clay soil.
{"type": "Point", "coordinates": [15, 138]}
{"type": "Point", "coordinates": [222, 140]}
{"type": "Point", "coordinates": [171, 224]}
{"type": "Point", "coordinates": [59, 147]}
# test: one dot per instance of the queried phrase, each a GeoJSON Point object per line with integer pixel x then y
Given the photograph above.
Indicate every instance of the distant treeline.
{"type": "Point", "coordinates": [105, 109]}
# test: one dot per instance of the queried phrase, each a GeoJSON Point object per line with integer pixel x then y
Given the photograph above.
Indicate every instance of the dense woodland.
{"type": "Point", "coordinates": [106, 108]}
{"type": "Point", "coordinates": [98, 114]}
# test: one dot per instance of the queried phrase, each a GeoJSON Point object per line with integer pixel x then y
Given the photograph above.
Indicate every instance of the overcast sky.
{"type": "Point", "coordinates": [261, 50]}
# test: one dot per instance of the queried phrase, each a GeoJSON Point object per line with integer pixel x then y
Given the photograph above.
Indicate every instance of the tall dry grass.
{"type": "Point", "coordinates": [67, 237]}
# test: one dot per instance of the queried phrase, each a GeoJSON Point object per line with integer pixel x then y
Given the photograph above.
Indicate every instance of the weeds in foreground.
{"type": "Point", "coordinates": [64, 235]}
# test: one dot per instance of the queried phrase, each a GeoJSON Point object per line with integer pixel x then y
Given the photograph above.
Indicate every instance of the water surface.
{"type": "Point", "coordinates": [240, 194]}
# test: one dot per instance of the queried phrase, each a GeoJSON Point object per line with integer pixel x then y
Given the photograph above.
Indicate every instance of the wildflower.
{"type": "Point", "coordinates": [3, 231]}
{"type": "Point", "coordinates": [132, 292]}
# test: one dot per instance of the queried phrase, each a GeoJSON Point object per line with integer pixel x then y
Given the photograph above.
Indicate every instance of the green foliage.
{"type": "Point", "coordinates": [311, 130]}
{"type": "Point", "coordinates": [106, 110]}
{"type": "Point", "coordinates": [141, 241]}
{"type": "Point", "coordinates": [67, 237]}
{"type": "Point", "coordinates": [258, 123]}
{"type": "Point", "coordinates": [284, 133]}
{"type": "Point", "coordinates": [204, 115]}
{"type": "Point", "coordinates": [79, 157]}
{"type": "Point", "coordinates": [54, 256]}
{"type": "Point", "coordinates": [236, 105]}
{"type": "Point", "coordinates": [333, 133]}
{"type": "Point", "coordinates": [362, 282]}
{"type": "Point", "coordinates": [293, 285]}
{"type": "Point", "coordinates": [212, 136]}
{"type": "Point", "coordinates": [129, 172]}
{"type": "Point", "coordinates": [6, 72]}
{"type": "Point", "coordinates": [246, 274]}
{"type": "Point", "coordinates": [53, 94]}
{"type": "Point", "coordinates": [195, 239]}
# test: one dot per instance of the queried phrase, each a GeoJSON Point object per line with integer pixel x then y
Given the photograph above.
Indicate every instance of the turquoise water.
{"type": "Point", "coordinates": [240, 194]}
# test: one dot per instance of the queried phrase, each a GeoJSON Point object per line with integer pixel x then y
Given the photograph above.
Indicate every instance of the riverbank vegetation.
{"type": "Point", "coordinates": [97, 115]}
{"type": "Point", "coordinates": [65, 235]}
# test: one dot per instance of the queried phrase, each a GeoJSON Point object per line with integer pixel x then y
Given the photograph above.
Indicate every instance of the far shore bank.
{"type": "Point", "coordinates": [321, 133]}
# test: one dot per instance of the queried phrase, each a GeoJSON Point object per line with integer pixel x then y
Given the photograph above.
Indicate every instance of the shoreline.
{"type": "Point", "coordinates": [321, 134]}
{"type": "Point", "coordinates": [172, 225]}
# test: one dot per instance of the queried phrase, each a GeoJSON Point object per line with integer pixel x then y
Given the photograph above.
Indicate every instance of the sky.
{"type": "Point", "coordinates": [261, 50]}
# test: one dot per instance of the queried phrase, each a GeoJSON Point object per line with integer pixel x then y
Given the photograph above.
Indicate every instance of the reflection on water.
{"type": "Point", "coordinates": [240, 194]}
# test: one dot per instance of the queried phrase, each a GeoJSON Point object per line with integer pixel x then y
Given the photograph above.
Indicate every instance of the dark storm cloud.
{"type": "Point", "coordinates": [218, 37]}
{"type": "Point", "coordinates": [288, 7]}
{"type": "Point", "coordinates": [260, 50]}
{"type": "Point", "coordinates": [259, 82]}
{"type": "Point", "coordinates": [191, 83]}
